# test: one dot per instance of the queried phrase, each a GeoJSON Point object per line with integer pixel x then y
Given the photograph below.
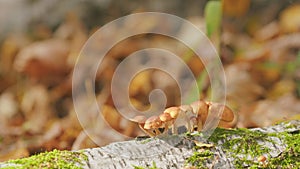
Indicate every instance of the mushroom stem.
{"type": "Point", "coordinates": [141, 123]}
{"type": "Point", "coordinates": [186, 112]}
{"type": "Point", "coordinates": [194, 122]}
{"type": "Point", "coordinates": [167, 121]}
{"type": "Point", "coordinates": [151, 134]}
{"type": "Point", "coordinates": [200, 109]}
{"type": "Point", "coordinates": [153, 123]}
{"type": "Point", "coordinates": [167, 125]}
{"type": "Point", "coordinates": [199, 123]}
{"type": "Point", "coordinates": [173, 113]}
{"type": "Point", "coordinates": [174, 129]}
{"type": "Point", "coordinates": [157, 132]}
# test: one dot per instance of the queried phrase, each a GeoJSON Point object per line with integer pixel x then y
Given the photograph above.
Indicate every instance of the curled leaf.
{"type": "Point", "coordinates": [201, 145]}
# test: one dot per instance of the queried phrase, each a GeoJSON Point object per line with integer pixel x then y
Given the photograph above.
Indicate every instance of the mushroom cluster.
{"type": "Point", "coordinates": [191, 116]}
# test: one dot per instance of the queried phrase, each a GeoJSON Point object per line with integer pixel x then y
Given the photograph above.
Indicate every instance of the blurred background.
{"type": "Point", "coordinates": [41, 39]}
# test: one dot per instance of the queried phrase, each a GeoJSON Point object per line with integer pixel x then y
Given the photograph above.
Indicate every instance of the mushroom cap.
{"type": "Point", "coordinates": [173, 111]}
{"type": "Point", "coordinates": [147, 126]}
{"type": "Point", "coordinates": [165, 117]}
{"type": "Point", "coordinates": [152, 122]}
{"type": "Point", "coordinates": [199, 107]}
{"type": "Point", "coordinates": [228, 114]}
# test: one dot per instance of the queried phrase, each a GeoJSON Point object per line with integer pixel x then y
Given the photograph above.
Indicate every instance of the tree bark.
{"type": "Point", "coordinates": [172, 151]}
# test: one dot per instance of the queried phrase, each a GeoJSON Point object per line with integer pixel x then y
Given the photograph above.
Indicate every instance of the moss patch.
{"type": "Point", "coordinates": [242, 144]}
{"type": "Point", "coordinates": [149, 167]}
{"type": "Point", "coordinates": [53, 159]}
{"type": "Point", "coordinates": [246, 146]}
{"type": "Point", "coordinates": [290, 158]}
{"type": "Point", "coordinates": [199, 158]}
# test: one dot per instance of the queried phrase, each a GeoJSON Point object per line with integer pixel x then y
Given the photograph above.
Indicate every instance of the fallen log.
{"type": "Point", "coordinates": [276, 146]}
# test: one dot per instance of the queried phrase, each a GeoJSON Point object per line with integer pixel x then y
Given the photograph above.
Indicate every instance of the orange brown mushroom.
{"type": "Point", "coordinates": [167, 121]}
{"type": "Point", "coordinates": [153, 123]}
{"type": "Point", "coordinates": [188, 115]}
{"type": "Point", "coordinates": [200, 108]}
{"type": "Point", "coordinates": [173, 112]}
{"type": "Point", "coordinates": [191, 116]}
{"type": "Point", "coordinates": [141, 123]}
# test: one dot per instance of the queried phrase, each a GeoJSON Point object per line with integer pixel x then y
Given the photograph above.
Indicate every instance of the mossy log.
{"type": "Point", "coordinates": [271, 147]}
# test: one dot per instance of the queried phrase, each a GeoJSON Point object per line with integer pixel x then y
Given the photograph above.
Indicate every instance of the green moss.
{"type": "Point", "coordinates": [245, 142]}
{"type": "Point", "coordinates": [290, 126]}
{"type": "Point", "coordinates": [146, 141]}
{"type": "Point", "coordinates": [245, 146]}
{"type": "Point", "coordinates": [138, 167]}
{"type": "Point", "coordinates": [53, 159]}
{"type": "Point", "coordinates": [150, 167]}
{"type": "Point", "coordinates": [290, 157]}
{"type": "Point", "coordinates": [199, 158]}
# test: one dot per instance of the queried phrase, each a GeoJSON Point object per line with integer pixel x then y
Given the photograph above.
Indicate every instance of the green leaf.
{"type": "Point", "coordinates": [213, 17]}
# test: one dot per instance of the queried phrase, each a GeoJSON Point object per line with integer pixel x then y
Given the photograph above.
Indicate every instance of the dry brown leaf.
{"type": "Point", "coordinates": [36, 108]}
{"type": "Point", "coordinates": [44, 60]}
{"type": "Point", "coordinates": [280, 46]}
{"type": "Point", "coordinates": [241, 85]}
{"type": "Point", "coordinates": [140, 84]}
{"type": "Point", "coordinates": [106, 70]}
{"type": "Point", "coordinates": [54, 131]}
{"type": "Point", "coordinates": [281, 88]}
{"type": "Point", "coordinates": [266, 73]}
{"type": "Point", "coordinates": [268, 31]}
{"type": "Point", "coordinates": [253, 54]}
{"type": "Point", "coordinates": [235, 8]}
{"type": "Point", "coordinates": [196, 65]}
{"type": "Point", "coordinates": [137, 104]}
{"type": "Point", "coordinates": [268, 112]}
{"type": "Point", "coordinates": [129, 128]}
{"type": "Point", "coordinates": [8, 106]}
{"type": "Point", "coordinates": [124, 48]}
{"type": "Point", "coordinates": [290, 19]}
{"type": "Point", "coordinates": [14, 154]}
{"type": "Point", "coordinates": [82, 141]}
{"type": "Point", "coordinates": [9, 49]}
{"type": "Point", "coordinates": [112, 117]}
{"type": "Point", "coordinates": [73, 31]}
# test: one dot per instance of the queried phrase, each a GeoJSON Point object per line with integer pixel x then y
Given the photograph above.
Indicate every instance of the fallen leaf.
{"type": "Point", "coordinates": [290, 19]}
{"type": "Point", "coordinates": [45, 60]}
{"type": "Point", "coordinates": [201, 144]}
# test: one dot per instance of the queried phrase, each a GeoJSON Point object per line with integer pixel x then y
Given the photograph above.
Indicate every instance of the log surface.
{"type": "Point", "coordinates": [171, 151]}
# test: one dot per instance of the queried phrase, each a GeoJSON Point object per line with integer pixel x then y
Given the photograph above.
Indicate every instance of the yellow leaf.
{"type": "Point", "coordinates": [200, 144]}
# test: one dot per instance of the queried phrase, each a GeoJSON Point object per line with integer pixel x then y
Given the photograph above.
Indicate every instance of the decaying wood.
{"type": "Point", "coordinates": [171, 151]}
